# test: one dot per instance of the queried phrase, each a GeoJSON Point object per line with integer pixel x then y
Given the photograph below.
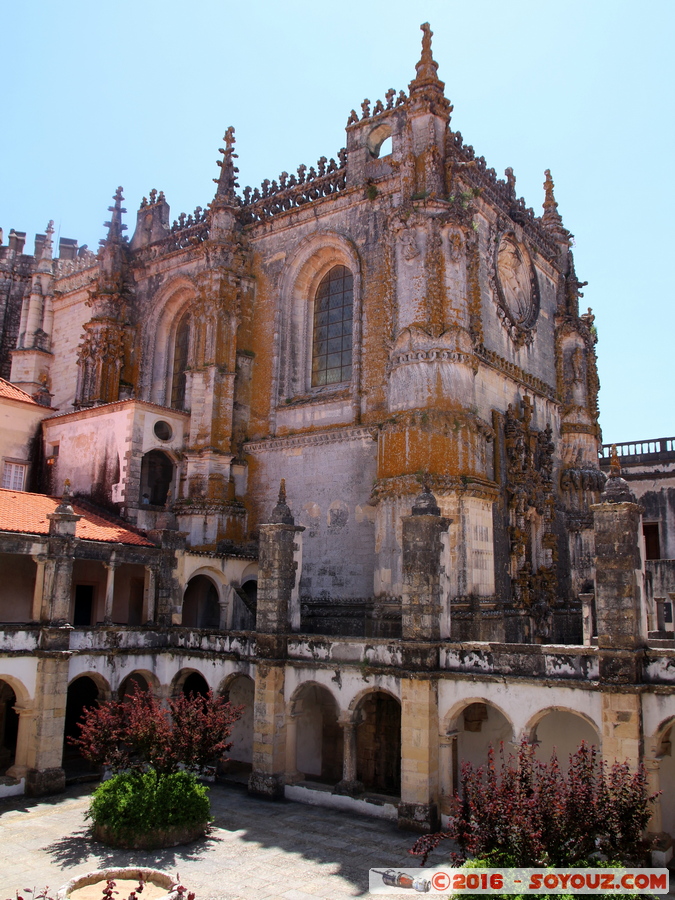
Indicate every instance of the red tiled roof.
{"type": "Point", "coordinates": [27, 513]}
{"type": "Point", "coordinates": [12, 392]}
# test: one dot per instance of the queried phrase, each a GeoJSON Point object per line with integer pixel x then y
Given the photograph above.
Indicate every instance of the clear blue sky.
{"type": "Point", "coordinates": [140, 93]}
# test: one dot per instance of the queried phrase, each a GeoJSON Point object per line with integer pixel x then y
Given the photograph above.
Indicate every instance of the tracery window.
{"type": "Point", "coordinates": [180, 362]}
{"type": "Point", "coordinates": [332, 336]}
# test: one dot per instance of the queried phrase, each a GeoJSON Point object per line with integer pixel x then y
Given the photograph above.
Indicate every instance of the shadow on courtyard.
{"type": "Point", "coordinates": [344, 844]}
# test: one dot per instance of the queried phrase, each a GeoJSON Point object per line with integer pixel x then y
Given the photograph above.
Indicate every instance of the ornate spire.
{"type": "Point", "coordinates": [427, 67]}
{"type": "Point", "coordinates": [227, 180]}
{"type": "Point", "coordinates": [115, 226]}
{"type": "Point", "coordinates": [551, 218]}
{"type": "Point", "coordinates": [617, 489]}
{"type": "Point", "coordinates": [45, 261]}
{"type": "Point", "coordinates": [281, 514]}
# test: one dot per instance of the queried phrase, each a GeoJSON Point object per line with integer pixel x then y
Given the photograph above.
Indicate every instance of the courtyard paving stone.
{"type": "Point", "coordinates": [257, 850]}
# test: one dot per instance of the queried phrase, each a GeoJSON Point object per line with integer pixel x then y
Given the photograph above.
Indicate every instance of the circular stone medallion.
{"type": "Point", "coordinates": [517, 286]}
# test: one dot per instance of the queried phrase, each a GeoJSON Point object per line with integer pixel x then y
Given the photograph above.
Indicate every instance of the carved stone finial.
{"type": "Point", "coordinates": [425, 503]}
{"type": "Point", "coordinates": [227, 180]}
{"type": "Point", "coordinates": [115, 226]}
{"type": "Point", "coordinates": [614, 464]}
{"type": "Point", "coordinates": [427, 67]}
{"type": "Point", "coordinates": [552, 218]}
{"type": "Point", "coordinates": [65, 507]}
{"type": "Point", "coordinates": [281, 514]}
{"type": "Point", "coordinates": [616, 489]}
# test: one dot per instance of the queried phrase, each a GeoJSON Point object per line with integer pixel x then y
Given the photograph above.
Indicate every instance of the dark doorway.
{"type": "Point", "coordinates": [84, 605]}
{"type": "Point", "coordinates": [378, 744]}
{"type": "Point", "coordinates": [156, 477]}
{"type": "Point", "coordinates": [9, 727]}
{"type": "Point", "coordinates": [200, 604]}
{"type": "Point", "coordinates": [195, 684]}
{"type": "Point", "coordinates": [82, 693]}
{"type": "Point", "coordinates": [652, 543]}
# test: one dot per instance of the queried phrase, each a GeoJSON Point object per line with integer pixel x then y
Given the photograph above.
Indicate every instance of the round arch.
{"type": "Point", "coordinates": [20, 690]}
{"type": "Point", "coordinates": [314, 712]}
{"type": "Point", "coordinates": [145, 679]}
{"type": "Point", "coordinates": [158, 477]}
{"type": "Point", "coordinates": [450, 719]}
{"type": "Point", "coordinates": [378, 741]}
{"type": "Point", "coordinates": [160, 337]}
{"type": "Point", "coordinates": [9, 726]}
{"type": "Point", "coordinates": [178, 681]}
{"type": "Point", "coordinates": [561, 729]}
{"type": "Point", "coordinates": [239, 689]}
{"type": "Point", "coordinates": [662, 746]}
{"type": "Point", "coordinates": [201, 602]}
{"type": "Point", "coordinates": [313, 258]}
{"type": "Point", "coordinates": [358, 698]}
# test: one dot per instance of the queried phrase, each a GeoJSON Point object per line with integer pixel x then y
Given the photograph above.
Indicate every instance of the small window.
{"type": "Point", "coordinates": [652, 543]}
{"type": "Point", "coordinates": [332, 339]}
{"type": "Point", "coordinates": [163, 430]}
{"type": "Point", "coordinates": [14, 476]}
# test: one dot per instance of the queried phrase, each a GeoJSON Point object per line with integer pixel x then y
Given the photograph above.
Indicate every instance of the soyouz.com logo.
{"type": "Point", "coordinates": [517, 881]}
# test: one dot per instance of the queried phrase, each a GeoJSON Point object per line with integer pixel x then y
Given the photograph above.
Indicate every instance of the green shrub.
{"type": "Point", "coordinates": [135, 803]}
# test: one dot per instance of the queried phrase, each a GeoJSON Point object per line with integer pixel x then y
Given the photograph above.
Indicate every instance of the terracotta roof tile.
{"type": "Point", "coordinates": [27, 513]}
{"type": "Point", "coordinates": [12, 392]}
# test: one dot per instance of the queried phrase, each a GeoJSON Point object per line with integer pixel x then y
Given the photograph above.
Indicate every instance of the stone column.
{"type": "Point", "coordinates": [418, 808]}
{"type": "Point", "coordinates": [149, 589]}
{"type": "Point", "coordinates": [422, 599]}
{"type": "Point", "coordinates": [349, 785]}
{"type": "Point", "coordinates": [447, 753]}
{"type": "Point", "coordinates": [277, 573]}
{"type": "Point", "coordinates": [59, 568]}
{"type": "Point", "coordinates": [619, 593]}
{"type": "Point", "coordinates": [292, 773]}
{"type": "Point", "coordinates": [276, 579]}
{"type": "Point", "coordinates": [109, 590]}
{"type": "Point", "coordinates": [41, 744]}
{"type": "Point", "coordinates": [38, 591]}
{"type": "Point", "coordinates": [269, 732]}
{"type": "Point", "coordinates": [587, 617]}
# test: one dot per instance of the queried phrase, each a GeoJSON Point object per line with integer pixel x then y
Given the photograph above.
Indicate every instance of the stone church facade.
{"type": "Point", "coordinates": [397, 341]}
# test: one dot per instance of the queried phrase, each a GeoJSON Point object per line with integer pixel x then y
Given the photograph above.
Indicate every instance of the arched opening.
{"type": "Point", "coordinates": [131, 683]}
{"type": "Point", "coordinates": [562, 731]}
{"type": "Point", "coordinates": [82, 693]}
{"type": "Point", "coordinates": [195, 685]}
{"type": "Point", "coordinates": [239, 691]}
{"type": "Point", "coordinates": [200, 604]}
{"type": "Point", "coordinates": [476, 728]}
{"type": "Point", "coordinates": [667, 781]}
{"type": "Point", "coordinates": [378, 744]}
{"type": "Point", "coordinates": [379, 141]}
{"type": "Point", "coordinates": [333, 326]}
{"type": "Point", "coordinates": [180, 362]}
{"type": "Point", "coordinates": [9, 727]}
{"type": "Point", "coordinates": [319, 742]}
{"type": "Point", "coordinates": [156, 477]}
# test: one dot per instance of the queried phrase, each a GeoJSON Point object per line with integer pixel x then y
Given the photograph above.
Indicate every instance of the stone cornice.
{"type": "Point", "coordinates": [337, 436]}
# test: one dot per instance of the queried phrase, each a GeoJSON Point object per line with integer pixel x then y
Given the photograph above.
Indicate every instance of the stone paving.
{"type": "Point", "coordinates": [257, 850]}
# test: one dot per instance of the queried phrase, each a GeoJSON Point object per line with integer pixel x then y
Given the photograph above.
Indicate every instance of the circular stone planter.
{"type": "Point", "coordinates": [126, 880]}
{"type": "Point", "coordinates": [151, 840]}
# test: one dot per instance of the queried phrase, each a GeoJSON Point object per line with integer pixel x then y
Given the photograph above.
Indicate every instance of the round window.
{"type": "Point", "coordinates": [163, 430]}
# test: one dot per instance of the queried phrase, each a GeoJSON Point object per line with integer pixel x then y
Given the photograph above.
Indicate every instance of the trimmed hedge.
{"type": "Point", "coordinates": [146, 810]}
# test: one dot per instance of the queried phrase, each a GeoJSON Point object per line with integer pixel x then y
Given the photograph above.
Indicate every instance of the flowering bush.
{"type": "Point", "coordinates": [528, 813]}
{"type": "Point", "coordinates": [137, 733]}
{"type": "Point", "coordinates": [154, 799]}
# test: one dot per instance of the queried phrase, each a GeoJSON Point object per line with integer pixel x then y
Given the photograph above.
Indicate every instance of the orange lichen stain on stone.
{"type": "Point", "coordinates": [262, 345]}
{"type": "Point", "coordinates": [430, 444]}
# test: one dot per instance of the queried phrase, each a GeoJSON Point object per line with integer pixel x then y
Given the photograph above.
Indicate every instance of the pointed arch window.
{"type": "Point", "coordinates": [333, 326]}
{"type": "Point", "coordinates": [180, 362]}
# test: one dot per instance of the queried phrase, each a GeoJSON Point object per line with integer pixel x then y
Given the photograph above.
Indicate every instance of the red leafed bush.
{"type": "Point", "coordinates": [524, 812]}
{"type": "Point", "coordinates": [137, 733]}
